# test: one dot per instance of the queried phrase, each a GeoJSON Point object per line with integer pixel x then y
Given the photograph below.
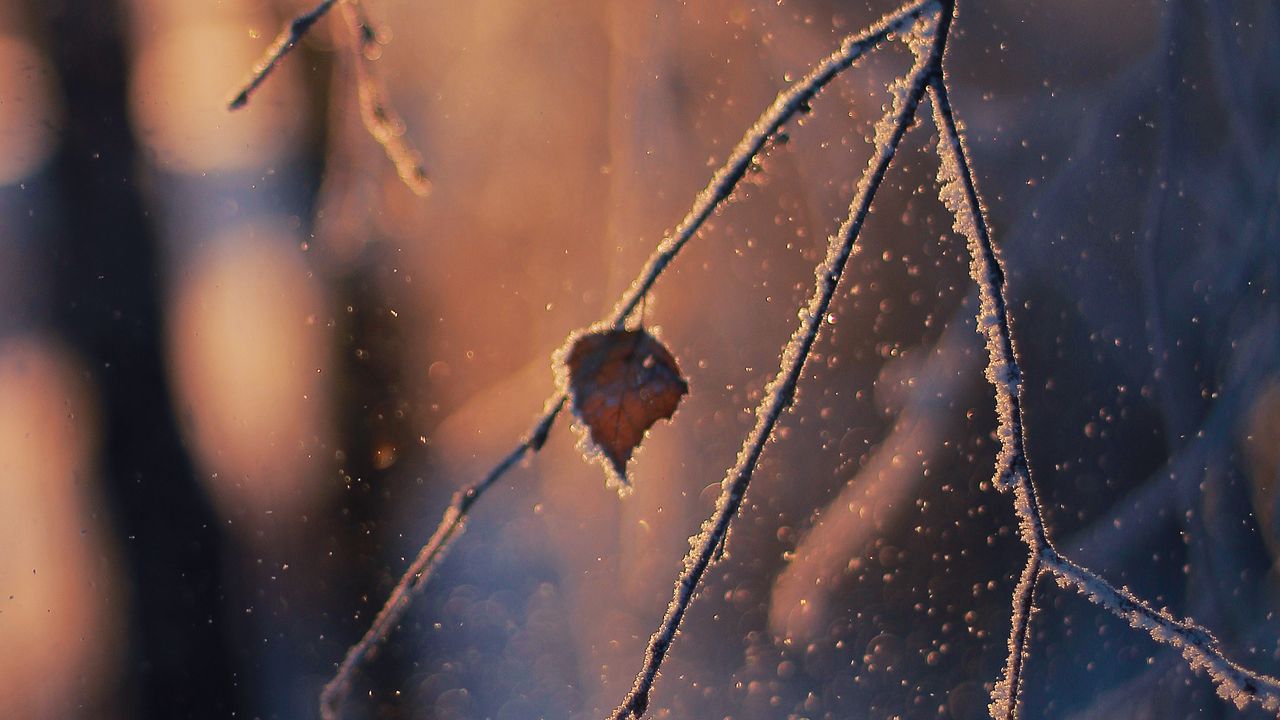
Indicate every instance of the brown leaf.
{"type": "Point", "coordinates": [620, 383]}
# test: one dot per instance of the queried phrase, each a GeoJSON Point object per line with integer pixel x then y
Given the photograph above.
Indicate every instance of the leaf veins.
{"type": "Point", "coordinates": [620, 383]}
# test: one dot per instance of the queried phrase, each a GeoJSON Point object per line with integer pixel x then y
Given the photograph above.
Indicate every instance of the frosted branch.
{"type": "Point", "coordinates": [790, 101]}
{"type": "Point", "coordinates": [1006, 696]}
{"type": "Point", "coordinates": [288, 38]}
{"type": "Point", "coordinates": [960, 195]}
{"type": "Point", "coordinates": [380, 118]}
{"type": "Point", "coordinates": [420, 570]}
{"type": "Point", "coordinates": [719, 189]}
{"type": "Point", "coordinates": [780, 392]}
{"type": "Point", "coordinates": [1197, 645]}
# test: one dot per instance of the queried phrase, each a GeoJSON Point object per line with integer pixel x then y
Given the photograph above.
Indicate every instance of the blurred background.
{"type": "Point", "coordinates": [242, 367]}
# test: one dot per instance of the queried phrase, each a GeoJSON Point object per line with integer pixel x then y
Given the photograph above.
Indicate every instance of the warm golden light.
{"type": "Point", "coordinates": [247, 339]}
{"type": "Point", "coordinates": [60, 606]}
{"type": "Point", "coordinates": [30, 116]}
{"type": "Point", "coordinates": [178, 82]}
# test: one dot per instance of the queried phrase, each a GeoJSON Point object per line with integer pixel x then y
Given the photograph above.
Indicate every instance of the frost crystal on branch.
{"type": "Point", "coordinates": [708, 545]}
{"type": "Point", "coordinates": [1197, 645]}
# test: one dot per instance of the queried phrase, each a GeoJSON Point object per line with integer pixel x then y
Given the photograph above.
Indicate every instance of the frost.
{"type": "Point", "coordinates": [708, 546]}
{"type": "Point", "coordinates": [984, 268]}
{"type": "Point", "coordinates": [1198, 646]}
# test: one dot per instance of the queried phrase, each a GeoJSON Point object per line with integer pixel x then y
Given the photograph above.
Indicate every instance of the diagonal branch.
{"type": "Point", "coordinates": [789, 102]}
{"type": "Point", "coordinates": [420, 570]}
{"type": "Point", "coordinates": [960, 195]}
{"type": "Point", "coordinates": [1007, 694]}
{"type": "Point", "coordinates": [380, 118]}
{"type": "Point", "coordinates": [1198, 646]}
{"type": "Point", "coordinates": [780, 392]}
{"type": "Point", "coordinates": [284, 42]}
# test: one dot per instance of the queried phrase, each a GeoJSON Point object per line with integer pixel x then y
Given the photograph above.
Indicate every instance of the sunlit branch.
{"type": "Point", "coordinates": [1198, 646]}
{"type": "Point", "coordinates": [450, 528]}
{"type": "Point", "coordinates": [380, 118]}
{"type": "Point", "coordinates": [1006, 696]}
{"type": "Point", "coordinates": [789, 102]}
{"type": "Point", "coordinates": [284, 42]}
{"type": "Point", "coordinates": [780, 392]}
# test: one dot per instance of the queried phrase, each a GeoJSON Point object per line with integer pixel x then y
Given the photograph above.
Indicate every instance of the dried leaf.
{"type": "Point", "coordinates": [620, 382]}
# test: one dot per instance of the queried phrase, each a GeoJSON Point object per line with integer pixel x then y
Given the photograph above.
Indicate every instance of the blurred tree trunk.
{"type": "Point", "coordinates": [107, 306]}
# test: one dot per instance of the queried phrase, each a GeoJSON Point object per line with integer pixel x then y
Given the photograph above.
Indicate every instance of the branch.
{"type": "Point", "coordinates": [450, 528]}
{"type": "Point", "coordinates": [1006, 696]}
{"type": "Point", "coordinates": [960, 194]}
{"type": "Point", "coordinates": [780, 392]}
{"type": "Point", "coordinates": [380, 119]}
{"type": "Point", "coordinates": [284, 42]}
{"type": "Point", "coordinates": [790, 101]}
{"type": "Point", "coordinates": [1198, 646]}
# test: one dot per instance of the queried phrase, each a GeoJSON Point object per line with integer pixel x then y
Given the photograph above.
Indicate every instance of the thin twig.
{"type": "Point", "coordinates": [284, 42]}
{"type": "Point", "coordinates": [1024, 606]}
{"type": "Point", "coordinates": [781, 390]}
{"type": "Point", "coordinates": [790, 101]}
{"type": "Point", "coordinates": [451, 526]}
{"type": "Point", "coordinates": [1198, 646]}
{"type": "Point", "coordinates": [718, 190]}
{"type": "Point", "coordinates": [1012, 469]}
{"type": "Point", "coordinates": [380, 118]}
{"type": "Point", "coordinates": [961, 197]}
